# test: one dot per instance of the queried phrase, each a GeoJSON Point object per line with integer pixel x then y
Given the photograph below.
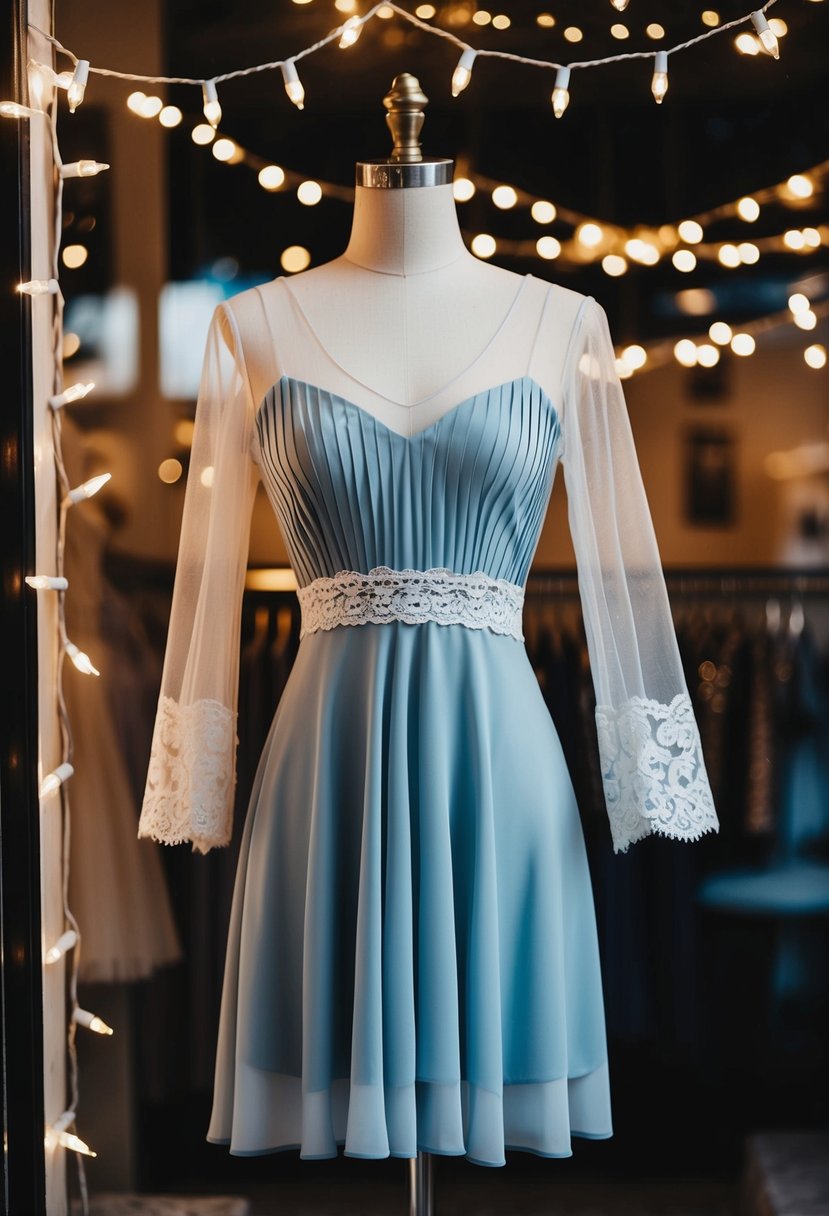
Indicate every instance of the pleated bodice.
{"type": "Point", "coordinates": [468, 492]}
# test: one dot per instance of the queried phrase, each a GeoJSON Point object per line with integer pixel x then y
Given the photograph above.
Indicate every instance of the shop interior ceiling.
{"type": "Point", "coordinates": [730, 124]}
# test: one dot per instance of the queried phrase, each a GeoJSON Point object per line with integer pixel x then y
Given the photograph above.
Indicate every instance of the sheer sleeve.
{"type": "Point", "coordinates": [653, 772]}
{"type": "Point", "coordinates": [192, 771]}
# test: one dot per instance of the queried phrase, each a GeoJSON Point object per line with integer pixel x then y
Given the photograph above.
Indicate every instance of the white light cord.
{"type": "Point", "coordinates": [336, 34]}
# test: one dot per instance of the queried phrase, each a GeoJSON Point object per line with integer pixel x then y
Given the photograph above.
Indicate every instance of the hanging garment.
{"type": "Point", "coordinates": [412, 959]}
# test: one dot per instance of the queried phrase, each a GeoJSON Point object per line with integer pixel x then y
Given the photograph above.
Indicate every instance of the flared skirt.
{"type": "Point", "coordinates": [412, 960]}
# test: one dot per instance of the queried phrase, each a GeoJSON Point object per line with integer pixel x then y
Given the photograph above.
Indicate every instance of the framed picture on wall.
{"type": "Point", "coordinates": [710, 476]}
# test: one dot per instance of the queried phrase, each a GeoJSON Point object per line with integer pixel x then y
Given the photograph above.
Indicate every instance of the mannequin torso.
{"type": "Point", "coordinates": [406, 322]}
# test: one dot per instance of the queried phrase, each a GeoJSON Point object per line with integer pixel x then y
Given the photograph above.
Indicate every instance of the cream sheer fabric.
{"type": "Point", "coordinates": [192, 771]}
{"type": "Point", "coordinates": [653, 770]}
{"type": "Point", "coordinates": [652, 765]}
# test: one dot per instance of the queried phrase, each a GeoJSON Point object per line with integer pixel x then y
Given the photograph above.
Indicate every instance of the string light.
{"type": "Point", "coordinates": [271, 177]}
{"type": "Point", "coordinates": [463, 189]}
{"type": "Point", "coordinates": [309, 193]}
{"type": "Point", "coordinates": [548, 247]}
{"type": "Point", "coordinates": [82, 168]}
{"type": "Point", "coordinates": [348, 32]}
{"type": "Point", "coordinates": [765, 33]}
{"type": "Point", "coordinates": [685, 352]}
{"type": "Point", "coordinates": [351, 32]}
{"type": "Point", "coordinates": [815, 356]}
{"type": "Point", "coordinates": [58, 1134]}
{"type": "Point", "coordinates": [805, 319]}
{"type": "Point", "coordinates": [77, 88]}
{"type": "Point", "coordinates": [203, 134]}
{"type": "Point", "coordinates": [91, 1021]}
{"type": "Point", "coordinates": [614, 265]}
{"type": "Point", "coordinates": [684, 260]}
{"type": "Point", "coordinates": [212, 107]}
{"type": "Point", "coordinates": [543, 212]}
{"type": "Point", "coordinates": [87, 489]}
{"type": "Point", "coordinates": [589, 235]}
{"type": "Point", "coordinates": [743, 344]}
{"type": "Point", "coordinates": [483, 245]}
{"type": "Point", "coordinates": [690, 231]}
{"type": "Point", "coordinates": [799, 303]}
{"type": "Point", "coordinates": [800, 186]}
{"type": "Point", "coordinates": [561, 91]}
{"type": "Point", "coordinates": [75, 392]}
{"type": "Point", "coordinates": [659, 83]}
{"type": "Point", "coordinates": [54, 780]}
{"type": "Point", "coordinates": [721, 333]}
{"type": "Point", "coordinates": [170, 116]}
{"type": "Point", "coordinates": [463, 72]}
{"type": "Point", "coordinates": [80, 659]}
{"type": "Point", "coordinates": [707, 355]}
{"type": "Point", "coordinates": [293, 85]}
{"type": "Point", "coordinates": [748, 209]}
{"type": "Point", "coordinates": [504, 197]}
{"type": "Point", "coordinates": [47, 582]}
{"type": "Point", "coordinates": [39, 287]}
{"type": "Point", "coordinates": [65, 942]}
{"type": "Point", "coordinates": [13, 109]}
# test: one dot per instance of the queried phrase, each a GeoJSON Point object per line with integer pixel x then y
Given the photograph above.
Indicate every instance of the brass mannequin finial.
{"type": "Point", "coordinates": [405, 103]}
{"type": "Point", "coordinates": [405, 168]}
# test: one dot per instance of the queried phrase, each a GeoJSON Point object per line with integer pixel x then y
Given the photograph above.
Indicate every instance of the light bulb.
{"type": "Point", "coordinates": [39, 287]}
{"type": "Point", "coordinates": [685, 352]}
{"type": "Point", "coordinates": [211, 108]}
{"type": "Point", "coordinates": [815, 356]}
{"type": "Point", "coordinates": [70, 1141]}
{"type": "Point", "coordinates": [76, 90]}
{"type": "Point", "coordinates": [65, 942]}
{"type": "Point", "coordinates": [83, 168]}
{"type": "Point", "coordinates": [635, 356]}
{"type": "Point", "coordinates": [619, 5]}
{"type": "Point", "coordinates": [47, 582]}
{"type": "Point", "coordinates": [543, 212]}
{"type": "Point", "coordinates": [504, 197]}
{"type": "Point", "coordinates": [135, 101]}
{"type": "Point", "coordinates": [800, 185]}
{"type": "Point", "coordinates": [463, 189]}
{"type": "Point", "coordinates": [721, 333]}
{"type": "Point", "coordinates": [91, 1021]}
{"type": "Point", "coordinates": [806, 319]}
{"type": "Point", "coordinates": [81, 659]}
{"type": "Point", "coordinates": [54, 780]}
{"type": "Point", "coordinates": [170, 116]}
{"type": "Point", "coordinates": [614, 265]}
{"type": "Point", "coordinates": [659, 83]}
{"type": "Point", "coordinates": [690, 231]}
{"type": "Point", "coordinates": [483, 245]}
{"type": "Point", "coordinates": [765, 33]}
{"type": "Point", "coordinates": [548, 247]}
{"type": "Point", "coordinates": [707, 355]}
{"type": "Point", "coordinates": [684, 260]}
{"type": "Point", "coordinates": [590, 235]}
{"type": "Point", "coordinates": [309, 193]}
{"type": "Point", "coordinates": [40, 76]}
{"type": "Point", "coordinates": [561, 92]}
{"type": "Point", "coordinates": [729, 255]}
{"type": "Point", "coordinates": [748, 209]}
{"type": "Point", "coordinates": [271, 177]}
{"type": "Point", "coordinates": [743, 344]}
{"type": "Point", "coordinates": [293, 84]}
{"type": "Point", "coordinates": [13, 109]}
{"type": "Point", "coordinates": [799, 303]}
{"type": "Point", "coordinates": [352, 30]}
{"type": "Point", "coordinates": [74, 393]}
{"type": "Point", "coordinates": [203, 134]}
{"type": "Point", "coordinates": [87, 489]}
{"type": "Point", "coordinates": [463, 72]}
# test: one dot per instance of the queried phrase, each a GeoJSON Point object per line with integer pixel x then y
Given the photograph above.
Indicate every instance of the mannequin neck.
{"type": "Point", "coordinates": [406, 231]}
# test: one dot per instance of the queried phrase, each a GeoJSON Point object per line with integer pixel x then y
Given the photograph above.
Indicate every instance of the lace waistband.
{"type": "Point", "coordinates": [436, 594]}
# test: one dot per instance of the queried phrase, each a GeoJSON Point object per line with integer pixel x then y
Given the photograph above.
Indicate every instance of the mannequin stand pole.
{"type": "Point", "coordinates": [421, 1185]}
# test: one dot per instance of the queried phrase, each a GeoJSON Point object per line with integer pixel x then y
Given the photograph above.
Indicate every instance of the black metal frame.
{"type": "Point", "coordinates": [21, 998]}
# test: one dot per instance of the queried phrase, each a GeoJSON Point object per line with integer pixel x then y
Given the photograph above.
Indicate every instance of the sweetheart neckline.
{"type": "Point", "coordinates": [409, 439]}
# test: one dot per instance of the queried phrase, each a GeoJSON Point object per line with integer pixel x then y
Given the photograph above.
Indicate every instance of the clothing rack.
{"type": "Point", "coordinates": [740, 581]}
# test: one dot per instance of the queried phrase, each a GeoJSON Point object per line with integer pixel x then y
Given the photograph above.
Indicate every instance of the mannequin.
{"type": "Point", "coordinates": [395, 743]}
{"type": "Point", "coordinates": [406, 309]}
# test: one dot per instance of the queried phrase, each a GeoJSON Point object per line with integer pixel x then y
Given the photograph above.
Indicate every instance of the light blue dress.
{"type": "Point", "coordinates": [412, 960]}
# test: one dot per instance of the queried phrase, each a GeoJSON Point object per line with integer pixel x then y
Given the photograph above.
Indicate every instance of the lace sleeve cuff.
{"type": "Point", "coordinates": [191, 776]}
{"type": "Point", "coordinates": [653, 771]}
